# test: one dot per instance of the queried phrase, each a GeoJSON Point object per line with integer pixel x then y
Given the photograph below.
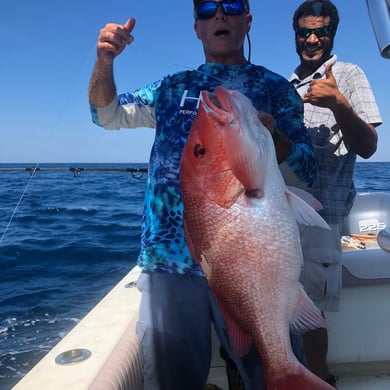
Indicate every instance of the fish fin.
{"type": "Point", "coordinates": [300, 379]}
{"type": "Point", "coordinates": [308, 316]}
{"type": "Point", "coordinates": [240, 341]}
{"type": "Point", "coordinates": [307, 197]}
{"type": "Point", "coordinates": [304, 213]}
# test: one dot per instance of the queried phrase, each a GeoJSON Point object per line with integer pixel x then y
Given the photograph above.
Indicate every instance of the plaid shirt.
{"type": "Point", "coordinates": [334, 186]}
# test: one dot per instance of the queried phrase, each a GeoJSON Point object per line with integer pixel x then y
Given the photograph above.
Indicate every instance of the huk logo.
{"type": "Point", "coordinates": [189, 105]}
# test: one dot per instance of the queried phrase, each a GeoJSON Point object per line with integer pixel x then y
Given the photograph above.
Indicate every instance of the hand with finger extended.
{"type": "Point", "coordinates": [112, 40]}
{"type": "Point", "coordinates": [324, 92]}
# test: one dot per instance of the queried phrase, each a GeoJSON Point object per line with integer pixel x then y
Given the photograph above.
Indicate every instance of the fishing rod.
{"type": "Point", "coordinates": [137, 173]}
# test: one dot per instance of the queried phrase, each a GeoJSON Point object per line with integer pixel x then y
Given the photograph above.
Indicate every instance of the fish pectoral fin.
{"type": "Point", "coordinates": [308, 316]}
{"type": "Point", "coordinates": [304, 213]}
{"type": "Point", "coordinates": [240, 341]}
{"type": "Point", "coordinates": [307, 197]}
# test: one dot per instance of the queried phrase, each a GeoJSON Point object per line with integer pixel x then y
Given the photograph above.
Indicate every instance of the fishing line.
{"type": "Point", "coordinates": [182, 66]}
{"type": "Point", "coordinates": [55, 127]}
{"type": "Point", "coordinates": [16, 207]}
{"type": "Point", "coordinates": [45, 148]}
{"type": "Point", "coordinates": [91, 56]}
{"type": "Point", "coordinates": [176, 64]}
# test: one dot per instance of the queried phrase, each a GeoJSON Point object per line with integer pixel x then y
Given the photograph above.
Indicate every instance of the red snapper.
{"type": "Point", "coordinates": [241, 227]}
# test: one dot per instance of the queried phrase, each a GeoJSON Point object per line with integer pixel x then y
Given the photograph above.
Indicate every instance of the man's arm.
{"type": "Point", "coordinates": [102, 89]}
{"type": "Point", "coordinates": [112, 40]}
{"type": "Point", "coordinates": [361, 137]}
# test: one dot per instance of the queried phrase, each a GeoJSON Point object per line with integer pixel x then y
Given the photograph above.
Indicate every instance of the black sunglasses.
{"type": "Point", "coordinates": [320, 32]}
{"type": "Point", "coordinates": [208, 9]}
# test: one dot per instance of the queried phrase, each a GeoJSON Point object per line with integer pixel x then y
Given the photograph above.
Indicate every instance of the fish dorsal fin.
{"type": "Point", "coordinates": [304, 213]}
{"type": "Point", "coordinates": [308, 316]}
{"type": "Point", "coordinates": [240, 341]}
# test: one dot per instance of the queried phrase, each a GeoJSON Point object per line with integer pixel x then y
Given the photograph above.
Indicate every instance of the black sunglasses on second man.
{"type": "Point", "coordinates": [208, 9]}
{"type": "Point", "coordinates": [320, 32]}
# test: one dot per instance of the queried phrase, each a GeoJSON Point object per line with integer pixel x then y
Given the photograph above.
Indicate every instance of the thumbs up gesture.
{"type": "Point", "coordinates": [113, 38]}
{"type": "Point", "coordinates": [324, 92]}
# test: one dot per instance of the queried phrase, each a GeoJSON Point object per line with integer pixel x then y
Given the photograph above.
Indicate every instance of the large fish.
{"type": "Point", "coordinates": [241, 227]}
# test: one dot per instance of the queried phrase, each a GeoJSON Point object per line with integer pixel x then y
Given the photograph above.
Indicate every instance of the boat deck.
{"type": "Point", "coordinates": [349, 379]}
{"type": "Point", "coordinates": [380, 382]}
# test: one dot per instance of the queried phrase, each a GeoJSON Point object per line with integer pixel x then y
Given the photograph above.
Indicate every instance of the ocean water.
{"type": "Point", "coordinates": [65, 241]}
{"type": "Point", "coordinates": [71, 239]}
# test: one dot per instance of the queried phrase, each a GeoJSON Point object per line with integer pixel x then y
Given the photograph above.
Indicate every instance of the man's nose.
{"type": "Point", "coordinates": [219, 14]}
{"type": "Point", "coordinates": [312, 38]}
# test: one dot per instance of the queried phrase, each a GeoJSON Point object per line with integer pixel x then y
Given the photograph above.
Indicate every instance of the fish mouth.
{"type": "Point", "coordinates": [212, 103]}
{"type": "Point", "coordinates": [218, 101]}
{"type": "Point", "coordinates": [219, 107]}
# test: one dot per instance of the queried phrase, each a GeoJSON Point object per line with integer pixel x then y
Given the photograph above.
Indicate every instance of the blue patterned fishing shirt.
{"type": "Point", "coordinates": [170, 106]}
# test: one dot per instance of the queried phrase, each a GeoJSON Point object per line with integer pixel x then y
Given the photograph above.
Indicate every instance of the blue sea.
{"type": "Point", "coordinates": [65, 240]}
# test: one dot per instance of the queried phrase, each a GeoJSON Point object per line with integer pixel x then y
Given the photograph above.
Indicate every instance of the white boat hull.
{"type": "Point", "coordinates": [108, 332]}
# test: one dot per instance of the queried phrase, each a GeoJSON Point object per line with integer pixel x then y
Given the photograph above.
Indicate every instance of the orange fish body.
{"type": "Point", "coordinates": [240, 224]}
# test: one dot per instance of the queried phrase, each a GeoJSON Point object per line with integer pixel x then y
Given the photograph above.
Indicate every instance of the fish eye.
{"type": "Point", "coordinates": [199, 151]}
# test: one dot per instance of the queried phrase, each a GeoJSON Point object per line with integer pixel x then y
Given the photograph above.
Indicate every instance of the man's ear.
{"type": "Point", "coordinates": [196, 29]}
{"type": "Point", "coordinates": [249, 18]}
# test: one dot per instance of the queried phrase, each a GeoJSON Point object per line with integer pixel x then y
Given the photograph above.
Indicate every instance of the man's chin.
{"type": "Point", "coordinates": [311, 63]}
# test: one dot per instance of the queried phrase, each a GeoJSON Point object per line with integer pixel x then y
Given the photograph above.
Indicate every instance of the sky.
{"type": "Point", "coordinates": [48, 51]}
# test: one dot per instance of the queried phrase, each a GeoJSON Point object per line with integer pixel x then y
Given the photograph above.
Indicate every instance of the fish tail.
{"type": "Point", "coordinates": [301, 379]}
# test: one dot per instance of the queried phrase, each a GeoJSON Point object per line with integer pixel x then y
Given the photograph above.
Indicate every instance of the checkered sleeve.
{"type": "Point", "coordinates": [357, 90]}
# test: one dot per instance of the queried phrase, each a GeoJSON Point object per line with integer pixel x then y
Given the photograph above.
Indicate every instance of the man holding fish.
{"type": "Point", "coordinates": [177, 305]}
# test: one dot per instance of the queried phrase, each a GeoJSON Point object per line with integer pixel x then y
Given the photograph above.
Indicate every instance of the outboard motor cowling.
{"type": "Point", "coordinates": [370, 214]}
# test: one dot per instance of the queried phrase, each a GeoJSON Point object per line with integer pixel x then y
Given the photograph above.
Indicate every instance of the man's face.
{"type": "Point", "coordinates": [314, 43]}
{"type": "Point", "coordinates": [223, 35]}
